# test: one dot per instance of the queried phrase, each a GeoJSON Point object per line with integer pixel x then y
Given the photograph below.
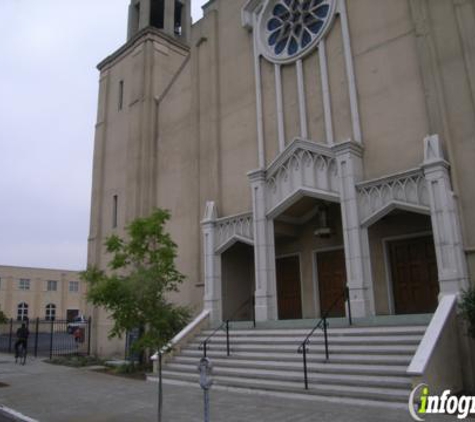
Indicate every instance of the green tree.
{"type": "Point", "coordinates": [467, 308]}
{"type": "Point", "coordinates": [3, 317]}
{"type": "Point", "coordinates": [141, 274]}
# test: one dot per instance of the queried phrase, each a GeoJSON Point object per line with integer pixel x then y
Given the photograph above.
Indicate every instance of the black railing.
{"type": "Point", "coordinates": [323, 325]}
{"type": "Point", "coordinates": [49, 338]}
{"type": "Point", "coordinates": [225, 326]}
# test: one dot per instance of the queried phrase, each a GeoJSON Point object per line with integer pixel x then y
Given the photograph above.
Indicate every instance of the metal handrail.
{"type": "Point", "coordinates": [323, 325]}
{"type": "Point", "coordinates": [225, 326]}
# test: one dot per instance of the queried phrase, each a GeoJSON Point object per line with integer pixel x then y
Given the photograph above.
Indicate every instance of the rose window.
{"type": "Point", "coordinates": [292, 26]}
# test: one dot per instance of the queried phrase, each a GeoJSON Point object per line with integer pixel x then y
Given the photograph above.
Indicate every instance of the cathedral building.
{"type": "Point", "coordinates": [302, 146]}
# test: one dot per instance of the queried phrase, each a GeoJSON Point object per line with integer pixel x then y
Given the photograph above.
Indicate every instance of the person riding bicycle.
{"type": "Point", "coordinates": [22, 338]}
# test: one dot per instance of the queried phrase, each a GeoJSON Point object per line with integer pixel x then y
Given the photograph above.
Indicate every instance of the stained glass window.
{"type": "Point", "coordinates": [294, 24]}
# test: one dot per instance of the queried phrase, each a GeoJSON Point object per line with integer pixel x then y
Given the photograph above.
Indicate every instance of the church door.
{"type": "Point", "coordinates": [414, 275]}
{"type": "Point", "coordinates": [331, 271]}
{"type": "Point", "coordinates": [288, 287]}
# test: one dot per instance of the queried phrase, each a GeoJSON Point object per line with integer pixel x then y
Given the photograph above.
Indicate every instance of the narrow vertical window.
{"type": "Point", "coordinates": [115, 205]}
{"type": "Point", "coordinates": [178, 17]}
{"type": "Point", "coordinates": [121, 94]}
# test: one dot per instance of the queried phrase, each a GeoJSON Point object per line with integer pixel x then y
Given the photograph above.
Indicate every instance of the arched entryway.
{"type": "Point", "coordinates": [237, 275]}
{"type": "Point", "coordinates": [309, 254]}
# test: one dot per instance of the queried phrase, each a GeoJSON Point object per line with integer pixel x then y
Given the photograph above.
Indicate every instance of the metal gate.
{"type": "Point", "coordinates": [49, 338]}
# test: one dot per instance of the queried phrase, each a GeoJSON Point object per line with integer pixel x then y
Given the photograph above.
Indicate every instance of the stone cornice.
{"type": "Point", "coordinates": [256, 175]}
{"type": "Point", "coordinates": [417, 172]}
{"type": "Point", "coordinates": [247, 12]}
{"type": "Point", "coordinates": [349, 146]}
{"type": "Point", "coordinates": [149, 33]}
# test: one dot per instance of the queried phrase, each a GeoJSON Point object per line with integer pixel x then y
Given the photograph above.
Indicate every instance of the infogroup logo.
{"type": "Point", "coordinates": [421, 404]}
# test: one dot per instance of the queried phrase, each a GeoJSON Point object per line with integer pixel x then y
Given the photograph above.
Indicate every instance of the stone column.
{"type": "Point", "coordinates": [186, 21]}
{"type": "Point", "coordinates": [264, 250]}
{"type": "Point", "coordinates": [357, 255]}
{"type": "Point", "coordinates": [451, 263]}
{"type": "Point", "coordinates": [212, 265]}
{"type": "Point", "coordinates": [169, 17]}
{"type": "Point", "coordinates": [145, 13]}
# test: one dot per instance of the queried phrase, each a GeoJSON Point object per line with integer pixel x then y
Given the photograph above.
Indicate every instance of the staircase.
{"type": "Point", "coordinates": [367, 364]}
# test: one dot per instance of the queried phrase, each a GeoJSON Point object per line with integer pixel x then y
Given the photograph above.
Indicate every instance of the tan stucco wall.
{"type": "Point", "coordinates": [38, 297]}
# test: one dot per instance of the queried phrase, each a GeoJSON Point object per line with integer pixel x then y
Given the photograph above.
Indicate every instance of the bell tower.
{"type": "Point", "coordinates": [173, 17]}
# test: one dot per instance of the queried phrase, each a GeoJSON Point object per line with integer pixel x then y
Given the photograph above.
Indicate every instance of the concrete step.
{"type": "Point", "coordinates": [396, 359]}
{"type": "Point", "coordinates": [303, 332]}
{"type": "Point", "coordinates": [313, 348]}
{"type": "Point", "coordinates": [316, 339]}
{"type": "Point", "coordinates": [294, 395]}
{"type": "Point", "coordinates": [330, 368]}
{"type": "Point", "coordinates": [335, 390]}
{"type": "Point", "coordinates": [298, 376]}
{"type": "Point", "coordinates": [366, 364]}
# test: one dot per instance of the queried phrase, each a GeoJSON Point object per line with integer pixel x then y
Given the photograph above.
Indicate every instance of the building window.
{"type": "Point", "coordinates": [74, 286]}
{"type": "Point", "coordinates": [50, 312]}
{"type": "Point", "coordinates": [52, 285]}
{"type": "Point", "coordinates": [22, 314]}
{"type": "Point", "coordinates": [121, 95]}
{"type": "Point", "coordinates": [115, 209]}
{"type": "Point", "coordinates": [24, 284]}
{"type": "Point", "coordinates": [294, 26]}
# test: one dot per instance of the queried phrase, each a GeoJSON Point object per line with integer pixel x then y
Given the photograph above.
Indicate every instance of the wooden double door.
{"type": "Point", "coordinates": [414, 275]}
{"type": "Point", "coordinates": [414, 278]}
{"type": "Point", "coordinates": [331, 279]}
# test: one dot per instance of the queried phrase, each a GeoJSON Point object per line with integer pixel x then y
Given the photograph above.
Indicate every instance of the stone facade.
{"type": "Point", "coordinates": [294, 128]}
{"type": "Point", "coordinates": [47, 293]}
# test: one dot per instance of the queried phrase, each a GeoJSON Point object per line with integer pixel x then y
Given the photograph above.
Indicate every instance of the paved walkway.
{"type": "Point", "coordinates": [50, 393]}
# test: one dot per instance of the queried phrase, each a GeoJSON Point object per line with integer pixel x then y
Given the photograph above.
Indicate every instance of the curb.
{"type": "Point", "coordinates": [14, 415]}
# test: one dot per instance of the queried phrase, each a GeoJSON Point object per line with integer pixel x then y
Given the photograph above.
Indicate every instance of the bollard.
{"type": "Point", "coordinates": [205, 369]}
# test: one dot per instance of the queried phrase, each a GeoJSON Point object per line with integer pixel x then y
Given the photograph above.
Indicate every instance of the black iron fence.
{"type": "Point", "coordinates": [49, 338]}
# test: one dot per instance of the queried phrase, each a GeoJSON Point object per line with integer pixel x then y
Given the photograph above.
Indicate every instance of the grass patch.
{"type": "Point", "coordinates": [76, 361]}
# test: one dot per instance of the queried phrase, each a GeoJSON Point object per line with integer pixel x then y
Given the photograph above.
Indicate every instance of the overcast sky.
{"type": "Point", "coordinates": [49, 50]}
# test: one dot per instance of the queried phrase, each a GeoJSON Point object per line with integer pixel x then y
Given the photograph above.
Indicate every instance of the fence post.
{"type": "Point", "coordinates": [51, 341]}
{"type": "Point", "coordinates": [304, 352]}
{"type": "Point", "coordinates": [89, 320]}
{"type": "Point", "coordinates": [347, 294]}
{"type": "Point", "coordinates": [325, 334]}
{"type": "Point", "coordinates": [36, 336]}
{"type": "Point", "coordinates": [227, 337]}
{"type": "Point", "coordinates": [11, 335]}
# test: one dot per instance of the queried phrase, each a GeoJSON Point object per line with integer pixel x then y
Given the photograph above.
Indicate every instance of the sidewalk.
{"type": "Point", "coordinates": [50, 393]}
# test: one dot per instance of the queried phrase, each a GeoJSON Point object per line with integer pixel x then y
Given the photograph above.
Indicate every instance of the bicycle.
{"type": "Point", "coordinates": [21, 357]}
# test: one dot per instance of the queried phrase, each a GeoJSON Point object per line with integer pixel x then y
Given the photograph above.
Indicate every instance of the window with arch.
{"type": "Point", "coordinates": [50, 312]}
{"type": "Point", "coordinates": [292, 28]}
{"type": "Point", "coordinates": [22, 313]}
